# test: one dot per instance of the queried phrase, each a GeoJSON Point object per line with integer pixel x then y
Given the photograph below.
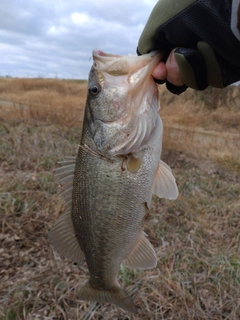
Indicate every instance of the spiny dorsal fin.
{"type": "Point", "coordinates": [164, 184]}
{"type": "Point", "coordinates": [64, 171]}
{"type": "Point", "coordinates": [64, 177]}
{"type": "Point", "coordinates": [63, 238]}
{"type": "Point", "coordinates": [67, 160]}
{"type": "Point", "coordinates": [67, 168]}
{"type": "Point", "coordinates": [142, 256]}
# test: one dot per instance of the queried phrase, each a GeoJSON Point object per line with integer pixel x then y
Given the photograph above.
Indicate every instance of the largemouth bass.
{"type": "Point", "coordinates": [108, 188]}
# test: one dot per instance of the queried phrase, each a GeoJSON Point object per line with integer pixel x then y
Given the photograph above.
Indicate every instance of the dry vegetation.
{"type": "Point", "coordinates": [62, 102]}
{"type": "Point", "coordinates": [196, 237]}
{"type": "Point", "coordinates": [212, 109]}
{"type": "Point", "coordinates": [49, 100]}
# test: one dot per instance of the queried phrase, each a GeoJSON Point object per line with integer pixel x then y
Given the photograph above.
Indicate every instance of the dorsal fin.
{"type": "Point", "coordinates": [64, 177]}
{"type": "Point", "coordinates": [62, 236]}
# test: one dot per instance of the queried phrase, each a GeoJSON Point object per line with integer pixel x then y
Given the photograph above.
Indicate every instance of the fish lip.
{"type": "Point", "coordinates": [98, 53]}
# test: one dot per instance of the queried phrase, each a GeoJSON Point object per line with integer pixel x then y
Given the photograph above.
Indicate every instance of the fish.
{"type": "Point", "coordinates": [108, 187]}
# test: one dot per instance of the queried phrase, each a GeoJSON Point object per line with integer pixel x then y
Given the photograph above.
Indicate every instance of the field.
{"type": "Point", "coordinates": [196, 237]}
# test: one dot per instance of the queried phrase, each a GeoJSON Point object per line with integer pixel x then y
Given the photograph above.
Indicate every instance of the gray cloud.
{"type": "Point", "coordinates": [49, 38]}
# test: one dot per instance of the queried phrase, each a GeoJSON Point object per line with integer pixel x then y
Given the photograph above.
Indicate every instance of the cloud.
{"type": "Point", "coordinates": [80, 18]}
{"type": "Point", "coordinates": [49, 38]}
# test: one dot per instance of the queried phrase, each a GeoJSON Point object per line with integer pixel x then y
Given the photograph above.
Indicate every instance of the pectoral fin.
{"type": "Point", "coordinates": [142, 256]}
{"type": "Point", "coordinates": [133, 163]}
{"type": "Point", "coordinates": [164, 185]}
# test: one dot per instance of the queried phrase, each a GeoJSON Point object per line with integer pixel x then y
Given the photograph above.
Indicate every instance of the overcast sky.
{"type": "Point", "coordinates": [50, 38]}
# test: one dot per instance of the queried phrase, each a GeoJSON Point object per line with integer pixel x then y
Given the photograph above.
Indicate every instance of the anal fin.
{"type": "Point", "coordinates": [142, 256]}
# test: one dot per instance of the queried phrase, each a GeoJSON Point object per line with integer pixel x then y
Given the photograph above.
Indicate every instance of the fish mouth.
{"type": "Point", "coordinates": [117, 65]}
{"type": "Point", "coordinates": [111, 64]}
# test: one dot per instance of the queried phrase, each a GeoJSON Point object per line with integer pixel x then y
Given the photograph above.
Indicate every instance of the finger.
{"type": "Point", "coordinates": [173, 73]}
{"type": "Point", "coordinates": [160, 72]}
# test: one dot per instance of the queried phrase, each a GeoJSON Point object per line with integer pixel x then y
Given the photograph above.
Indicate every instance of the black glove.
{"type": "Point", "coordinates": [207, 34]}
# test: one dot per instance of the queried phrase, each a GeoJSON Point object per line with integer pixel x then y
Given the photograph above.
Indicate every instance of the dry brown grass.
{"type": "Point", "coordinates": [212, 109]}
{"type": "Point", "coordinates": [63, 102]}
{"type": "Point", "coordinates": [205, 124]}
{"type": "Point", "coordinates": [196, 237]}
{"type": "Point", "coordinates": [51, 100]}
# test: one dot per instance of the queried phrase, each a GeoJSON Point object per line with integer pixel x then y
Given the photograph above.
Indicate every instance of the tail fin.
{"type": "Point", "coordinates": [116, 296]}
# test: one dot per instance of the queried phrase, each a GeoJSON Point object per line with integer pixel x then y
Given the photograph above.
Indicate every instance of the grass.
{"type": "Point", "coordinates": [196, 237]}
{"type": "Point", "coordinates": [63, 101]}
{"type": "Point", "coordinates": [212, 109]}
{"type": "Point", "coordinates": [37, 98]}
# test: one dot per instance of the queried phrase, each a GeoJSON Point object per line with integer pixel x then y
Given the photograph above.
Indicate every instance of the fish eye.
{"type": "Point", "coordinates": [94, 89]}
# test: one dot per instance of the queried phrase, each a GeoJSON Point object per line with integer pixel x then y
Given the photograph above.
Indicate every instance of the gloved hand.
{"type": "Point", "coordinates": [206, 34]}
